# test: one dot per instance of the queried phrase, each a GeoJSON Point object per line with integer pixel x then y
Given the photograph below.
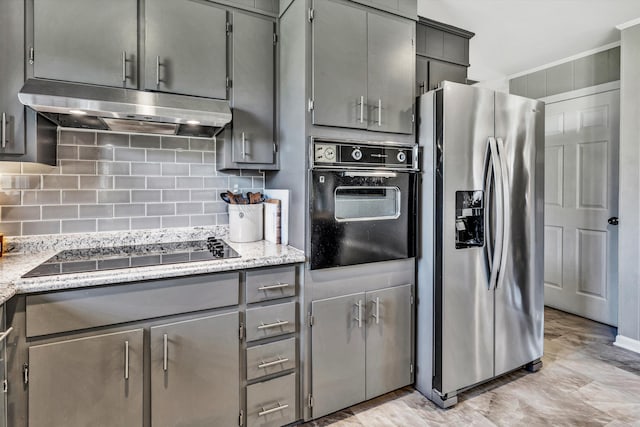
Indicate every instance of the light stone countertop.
{"type": "Point", "coordinates": [14, 265]}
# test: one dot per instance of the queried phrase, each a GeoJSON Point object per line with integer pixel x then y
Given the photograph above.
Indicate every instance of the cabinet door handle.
{"type": "Point", "coordinates": [359, 316]}
{"type": "Point", "coordinates": [244, 146]}
{"type": "Point", "coordinates": [126, 360]}
{"type": "Point", "coordinates": [379, 112]}
{"type": "Point", "coordinates": [5, 334]}
{"type": "Point", "coordinates": [124, 66]}
{"type": "Point", "coordinates": [362, 109]}
{"type": "Point", "coordinates": [276, 324]}
{"type": "Point", "coordinates": [280, 407]}
{"type": "Point", "coordinates": [3, 132]}
{"type": "Point", "coordinates": [376, 315]}
{"type": "Point", "coordinates": [165, 353]}
{"type": "Point", "coordinates": [273, 362]}
{"type": "Point", "coordinates": [157, 71]}
{"type": "Point", "coordinates": [271, 287]}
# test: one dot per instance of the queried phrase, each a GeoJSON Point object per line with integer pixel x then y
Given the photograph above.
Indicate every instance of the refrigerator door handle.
{"type": "Point", "coordinates": [494, 166]}
{"type": "Point", "coordinates": [506, 209]}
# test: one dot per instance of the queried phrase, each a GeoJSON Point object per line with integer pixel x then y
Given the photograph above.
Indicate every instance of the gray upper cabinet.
{"type": "Point", "coordinates": [390, 77]}
{"type": "Point", "coordinates": [339, 65]}
{"type": "Point", "coordinates": [87, 41]}
{"type": "Point", "coordinates": [441, 41]}
{"type": "Point", "coordinates": [12, 130]}
{"type": "Point", "coordinates": [253, 89]}
{"type": "Point", "coordinates": [389, 340]}
{"type": "Point", "coordinates": [186, 48]}
{"type": "Point", "coordinates": [406, 8]}
{"type": "Point", "coordinates": [438, 71]}
{"type": "Point", "coordinates": [102, 374]}
{"type": "Point", "coordinates": [338, 353]}
{"type": "Point", "coordinates": [363, 63]}
{"type": "Point", "coordinates": [195, 364]}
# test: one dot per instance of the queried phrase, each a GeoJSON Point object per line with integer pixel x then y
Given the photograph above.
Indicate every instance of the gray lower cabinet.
{"type": "Point", "coordinates": [363, 63]}
{"type": "Point", "coordinates": [94, 381]}
{"type": "Point", "coordinates": [389, 340]}
{"type": "Point", "coordinates": [194, 372]}
{"type": "Point", "coordinates": [272, 403]}
{"type": "Point", "coordinates": [87, 41]}
{"type": "Point", "coordinates": [253, 89]}
{"type": "Point", "coordinates": [12, 130]}
{"type": "Point", "coordinates": [186, 48]}
{"type": "Point", "coordinates": [337, 353]}
{"type": "Point", "coordinates": [361, 347]}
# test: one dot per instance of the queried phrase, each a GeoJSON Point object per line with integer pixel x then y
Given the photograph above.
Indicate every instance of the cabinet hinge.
{"type": "Point", "coordinates": [310, 16]}
{"type": "Point", "coordinates": [275, 147]}
{"type": "Point", "coordinates": [310, 401]}
{"type": "Point", "coordinates": [275, 38]}
{"type": "Point", "coordinates": [411, 41]}
{"type": "Point", "coordinates": [229, 82]}
{"type": "Point", "coordinates": [411, 368]}
{"type": "Point", "coordinates": [5, 386]}
{"type": "Point", "coordinates": [25, 374]}
{"type": "Point", "coordinates": [413, 118]}
{"type": "Point", "coordinates": [241, 419]}
{"type": "Point", "coordinates": [310, 320]}
{"type": "Point", "coordinates": [411, 299]}
{"type": "Point", "coordinates": [241, 332]}
{"type": "Point", "coordinates": [32, 55]}
{"type": "Point", "coordinates": [310, 105]}
{"type": "Point", "coordinates": [229, 27]}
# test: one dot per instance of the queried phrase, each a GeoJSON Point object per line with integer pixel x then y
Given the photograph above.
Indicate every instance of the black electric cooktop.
{"type": "Point", "coordinates": [100, 259]}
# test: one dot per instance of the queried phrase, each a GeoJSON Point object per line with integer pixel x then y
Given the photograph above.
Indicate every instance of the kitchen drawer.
{"type": "Point", "coordinates": [64, 311]}
{"type": "Point", "coordinates": [272, 403]}
{"type": "Point", "coordinates": [271, 358]}
{"type": "Point", "coordinates": [271, 321]}
{"type": "Point", "coordinates": [271, 283]}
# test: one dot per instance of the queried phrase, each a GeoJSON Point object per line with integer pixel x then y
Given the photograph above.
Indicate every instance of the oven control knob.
{"type": "Point", "coordinates": [402, 157]}
{"type": "Point", "coordinates": [356, 154]}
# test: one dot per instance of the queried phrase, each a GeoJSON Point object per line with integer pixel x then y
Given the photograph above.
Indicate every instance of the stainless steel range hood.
{"type": "Point", "coordinates": [74, 105]}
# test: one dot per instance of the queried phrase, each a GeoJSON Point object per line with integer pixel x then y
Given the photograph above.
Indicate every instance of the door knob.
{"type": "Point", "coordinates": [613, 220]}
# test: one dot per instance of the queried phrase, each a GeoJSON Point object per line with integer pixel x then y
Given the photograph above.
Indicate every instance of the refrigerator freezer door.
{"type": "Point", "coordinates": [519, 296]}
{"type": "Point", "coordinates": [463, 300]}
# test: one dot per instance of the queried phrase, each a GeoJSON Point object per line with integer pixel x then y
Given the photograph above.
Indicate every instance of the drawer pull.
{"type": "Point", "coordinates": [272, 287]}
{"type": "Point", "coordinates": [273, 325]}
{"type": "Point", "coordinates": [273, 362]}
{"type": "Point", "coordinates": [280, 407]}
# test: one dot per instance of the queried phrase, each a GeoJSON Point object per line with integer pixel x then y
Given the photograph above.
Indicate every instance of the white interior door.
{"type": "Point", "coordinates": [581, 194]}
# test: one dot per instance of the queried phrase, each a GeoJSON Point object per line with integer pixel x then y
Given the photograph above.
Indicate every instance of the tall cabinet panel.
{"type": "Point", "coordinates": [339, 65]}
{"type": "Point", "coordinates": [186, 48]}
{"type": "Point", "coordinates": [102, 372]}
{"type": "Point", "coordinates": [337, 353]}
{"type": "Point", "coordinates": [195, 372]}
{"type": "Point", "coordinates": [87, 41]}
{"type": "Point", "coordinates": [12, 140]}
{"type": "Point", "coordinates": [389, 336]}
{"type": "Point", "coordinates": [253, 89]}
{"type": "Point", "coordinates": [390, 73]}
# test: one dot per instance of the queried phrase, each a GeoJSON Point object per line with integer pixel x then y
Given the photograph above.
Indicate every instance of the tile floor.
{"type": "Point", "coordinates": [585, 381]}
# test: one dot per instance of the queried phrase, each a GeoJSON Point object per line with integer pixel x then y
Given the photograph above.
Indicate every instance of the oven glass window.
{"type": "Point", "coordinates": [367, 203]}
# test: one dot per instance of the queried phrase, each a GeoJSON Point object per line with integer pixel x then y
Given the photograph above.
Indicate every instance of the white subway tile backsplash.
{"type": "Point", "coordinates": [118, 182]}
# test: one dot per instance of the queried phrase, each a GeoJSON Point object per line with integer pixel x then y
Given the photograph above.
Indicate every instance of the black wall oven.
{"type": "Point", "coordinates": [363, 203]}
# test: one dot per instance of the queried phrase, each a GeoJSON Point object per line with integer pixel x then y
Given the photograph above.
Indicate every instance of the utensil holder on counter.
{"type": "Point", "coordinates": [245, 222]}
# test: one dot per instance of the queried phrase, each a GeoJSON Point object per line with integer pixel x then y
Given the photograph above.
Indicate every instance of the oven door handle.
{"type": "Point", "coordinates": [376, 174]}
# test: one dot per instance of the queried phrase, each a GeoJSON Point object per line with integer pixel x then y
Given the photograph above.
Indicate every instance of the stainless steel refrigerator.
{"type": "Point", "coordinates": [480, 263]}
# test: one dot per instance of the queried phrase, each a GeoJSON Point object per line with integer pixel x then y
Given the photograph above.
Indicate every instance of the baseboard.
{"type": "Point", "coordinates": [627, 343]}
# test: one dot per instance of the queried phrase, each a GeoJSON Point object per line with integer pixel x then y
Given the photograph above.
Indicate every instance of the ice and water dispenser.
{"type": "Point", "coordinates": [469, 219]}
